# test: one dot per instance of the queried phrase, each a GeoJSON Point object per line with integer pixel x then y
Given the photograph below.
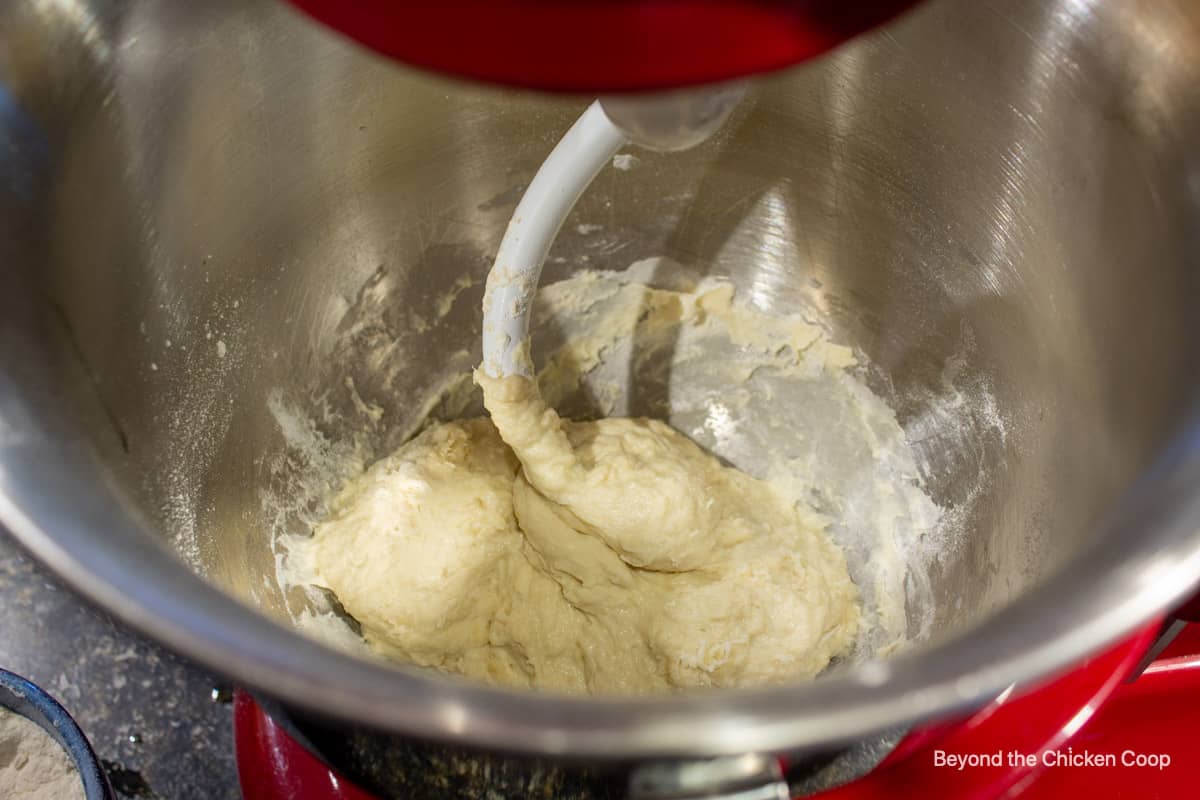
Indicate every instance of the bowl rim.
{"type": "Point", "coordinates": [25, 698]}
{"type": "Point", "coordinates": [1146, 558]}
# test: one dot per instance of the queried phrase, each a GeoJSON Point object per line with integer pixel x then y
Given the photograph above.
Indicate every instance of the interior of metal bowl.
{"type": "Point", "coordinates": [208, 207]}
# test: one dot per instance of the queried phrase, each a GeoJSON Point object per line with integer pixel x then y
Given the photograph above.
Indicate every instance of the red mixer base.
{"type": "Point", "coordinates": [1086, 733]}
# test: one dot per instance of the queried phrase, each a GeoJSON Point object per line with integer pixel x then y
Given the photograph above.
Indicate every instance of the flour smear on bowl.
{"type": "Point", "coordinates": [771, 395]}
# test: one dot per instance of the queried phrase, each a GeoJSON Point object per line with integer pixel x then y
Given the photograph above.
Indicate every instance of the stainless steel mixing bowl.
{"type": "Point", "coordinates": [202, 203]}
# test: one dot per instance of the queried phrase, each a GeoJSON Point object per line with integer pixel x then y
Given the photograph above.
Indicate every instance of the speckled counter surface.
{"type": "Point", "coordinates": [152, 717]}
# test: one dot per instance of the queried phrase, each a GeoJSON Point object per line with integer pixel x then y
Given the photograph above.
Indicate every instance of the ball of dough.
{"type": "Point", "coordinates": [607, 556]}
{"type": "Point", "coordinates": [415, 549]}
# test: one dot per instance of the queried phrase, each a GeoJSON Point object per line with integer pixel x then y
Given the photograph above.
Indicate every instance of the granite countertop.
{"type": "Point", "coordinates": [162, 726]}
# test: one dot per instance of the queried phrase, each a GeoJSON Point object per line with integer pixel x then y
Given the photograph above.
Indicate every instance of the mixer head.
{"type": "Point", "coordinates": [602, 46]}
{"type": "Point", "coordinates": [612, 47]}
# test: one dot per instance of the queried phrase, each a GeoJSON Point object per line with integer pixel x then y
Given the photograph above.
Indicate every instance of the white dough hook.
{"type": "Point", "coordinates": [671, 122]}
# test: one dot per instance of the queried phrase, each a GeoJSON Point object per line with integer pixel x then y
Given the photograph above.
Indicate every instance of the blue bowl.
{"type": "Point", "coordinates": [28, 700]}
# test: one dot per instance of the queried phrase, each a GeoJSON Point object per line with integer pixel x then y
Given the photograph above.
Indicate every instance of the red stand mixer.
{"type": "Point", "coordinates": [603, 46]}
{"type": "Point", "coordinates": [1119, 725]}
